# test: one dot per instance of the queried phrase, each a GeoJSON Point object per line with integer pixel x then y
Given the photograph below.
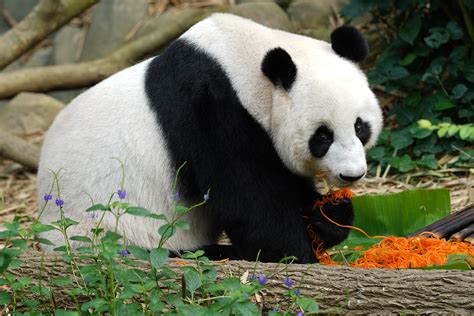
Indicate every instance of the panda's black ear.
{"type": "Point", "coordinates": [278, 66]}
{"type": "Point", "coordinates": [349, 43]}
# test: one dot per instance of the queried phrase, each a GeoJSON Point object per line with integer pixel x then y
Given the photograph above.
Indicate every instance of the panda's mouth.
{"type": "Point", "coordinates": [325, 182]}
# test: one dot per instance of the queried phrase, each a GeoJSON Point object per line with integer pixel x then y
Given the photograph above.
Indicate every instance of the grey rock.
{"type": "Point", "coordinates": [28, 113]}
{"type": "Point", "coordinates": [266, 13]}
{"type": "Point", "coordinates": [41, 57]}
{"type": "Point", "coordinates": [66, 96]}
{"type": "Point", "coordinates": [111, 21]}
{"type": "Point", "coordinates": [18, 9]}
{"type": "Point", "coordinates": [313, 14]}
{"type": "Point", "coordinates": [67, 43]}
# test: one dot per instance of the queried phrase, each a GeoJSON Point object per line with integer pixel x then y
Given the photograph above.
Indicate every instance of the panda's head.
{"type": "Point", "coordinates": [323, 114]}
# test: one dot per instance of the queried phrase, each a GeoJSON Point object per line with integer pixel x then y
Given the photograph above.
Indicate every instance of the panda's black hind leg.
{"type": "Point", "coordinates": [219, 252]}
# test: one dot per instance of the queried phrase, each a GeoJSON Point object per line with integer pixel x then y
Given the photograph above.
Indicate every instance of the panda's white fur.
{"type": "Point", "coordinates": [113, 119]}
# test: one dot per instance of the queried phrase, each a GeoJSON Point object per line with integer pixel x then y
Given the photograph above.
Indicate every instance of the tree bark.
{"type": "Point", "coordinates": [87, 73]}
{"type": "Point", "coordinates": [336, 289]}
{"type": "Point", "coordinates": [46, 17]}
{"type": "Point", "coordinates": [14, 148]}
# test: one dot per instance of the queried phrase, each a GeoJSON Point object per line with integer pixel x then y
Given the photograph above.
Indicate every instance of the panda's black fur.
{"type": "Point", "coordinates": [255, 199]}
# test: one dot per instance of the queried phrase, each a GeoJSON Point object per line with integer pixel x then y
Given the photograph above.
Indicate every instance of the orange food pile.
{"type": "Point", "coordinates": [414, 252]}
{"type": "Point", "coordinates": [394, 252]}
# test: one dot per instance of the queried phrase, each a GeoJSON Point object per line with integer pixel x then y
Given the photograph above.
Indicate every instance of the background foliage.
{"type": "Point", "coordinates": [428, 63]}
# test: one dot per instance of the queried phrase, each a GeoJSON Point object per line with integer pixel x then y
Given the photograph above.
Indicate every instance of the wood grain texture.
{"type": "Point", "coordinates": [336, 289]}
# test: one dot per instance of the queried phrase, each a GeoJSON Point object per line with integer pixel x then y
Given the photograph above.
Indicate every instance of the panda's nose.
{"type": "Point", "coordinates": [350, 178]}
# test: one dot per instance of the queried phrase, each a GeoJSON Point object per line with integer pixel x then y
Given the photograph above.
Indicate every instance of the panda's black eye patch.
{"type": "Point", "coordinates": [362, 130]}
{"type": "Point", "coordinates": [320, 142]}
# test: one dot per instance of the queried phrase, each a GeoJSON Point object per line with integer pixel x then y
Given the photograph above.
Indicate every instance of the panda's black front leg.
{"type": "Point", "coordinates": [341, 212]}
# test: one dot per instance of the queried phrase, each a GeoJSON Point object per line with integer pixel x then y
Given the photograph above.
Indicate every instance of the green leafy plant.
{"type": "Point", "coordinates": [106, 277]}
{"type": "Point", "coordinates": [427, 62]}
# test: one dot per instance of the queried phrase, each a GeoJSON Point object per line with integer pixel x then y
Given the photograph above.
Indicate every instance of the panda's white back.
{"type": "Point", "coordinates": [111, 119]}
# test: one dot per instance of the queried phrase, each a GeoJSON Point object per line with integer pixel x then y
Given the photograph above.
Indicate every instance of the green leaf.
{"type": "Point", "coordinates": [81, 238]}
{"type": "Point", "coordinates": [396, 73]}
{"type": "Point", "coordinates": [139, 253]}
{"type": "Point", "coordinates": [193, 280]}
{"type": "Point", "coordinates": [180, 209]}
{"type": "Point", "coordinates": [438, 37]}
{"type": "Point", "coordinates": [44, 241]}
{"type": "Point", "coordinates": [182, 224]}
{"type": "Point", "coordinates": [455, 30]}
{"type": "Point", "coordinates": [428, 161]}
{"type": "Point", "coordinates": [376, 153]}
{"type": "Point", "coordinates": [158, 257]}
{"type": "Point", "coordinates": [458, 91]}
{"type": "Point", "coordinates": [192, 255]}
{"type": "Point", "coordinates": [38, 227]}
{"type": "Point", "coordinates": [410, 30]}
{"type": "Point", "coordinates": [408, 59]}
{"type": "Point", "coordinates": [420, 133]}
{"type": "Point", "coordinates": [138, 211]}
{"type": "Point", "coordinates": [468, 70]}
{"type": "Point", "coordinates": [466, 131]}
{"type": "Point", "coordinates": [158, 216]}
{"type": "Point", "coordinates": [401, 139]}
{"type": "Point", "coordinates": [97, 304]}
{"type": "Point", "coordinates": [458, 53]}
{"type": "Point", "coordinates": [167, 230]}
{"type": "Point", "coordinates": [308, 305]}
{"type": "Point", "coordinates": [443, 105]}
{"type": "Point", "coordinates": [63, 281]}
{"type": "Point", "coordinates": [5, 298]}
{"type": "Point", "coordinates": [98, 207]}
{"type": "Point", "coordinates": [399, 214]}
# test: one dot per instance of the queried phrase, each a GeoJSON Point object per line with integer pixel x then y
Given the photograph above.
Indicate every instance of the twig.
{"type": "Point", "coordinates": [46, 17]}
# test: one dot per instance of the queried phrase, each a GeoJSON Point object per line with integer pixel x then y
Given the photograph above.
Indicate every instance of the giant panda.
{"type": "Point", "coordinates": [256, 114]}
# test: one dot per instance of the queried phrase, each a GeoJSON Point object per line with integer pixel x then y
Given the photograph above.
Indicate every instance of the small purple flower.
{"type": "Point", "coordinates": [176, 196]}
{"type": "Point", "coordinates": [288, 282]}
{"type": "Point", "coordinates": [300, 313]}
{"type": "Point", "coordinates": [297, 292]}
{"type": "Point", "coordinates": [206, 197]}
{"type": "Point", "coordinates": [48, 197]}
{"type": "Point", "coordinates": [94, 215]}
{"type": "Point", "coordinates": [122, 194]}
{"type": "Point", "coordinates": [262, 279]}
{"type": "Point", "coordinates": [59, 202]}
{"type": "Point", "coordinates": [124, 252]}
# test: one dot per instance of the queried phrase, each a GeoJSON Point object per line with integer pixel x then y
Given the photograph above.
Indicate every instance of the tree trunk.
{"type": "Point", "coordinates": [46, 17]}
{"type": "Point", "coordinates": [336, 289]}
{"type": "Point", "coordinates": [88, 73]}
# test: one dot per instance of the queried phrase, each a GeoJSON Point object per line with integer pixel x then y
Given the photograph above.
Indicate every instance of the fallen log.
{"type": "Point", "coordinates": [336, 289]}
{"type": "Point", "coordinates": [46, 17]}
{"type": "Point", "coordinates": [15, 148]}
{"type": "Point", "coordinates": [42, 79]}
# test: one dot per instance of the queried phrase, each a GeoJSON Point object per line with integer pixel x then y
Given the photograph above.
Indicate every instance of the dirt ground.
{"type": "Point", "coordinates": [18, 188]}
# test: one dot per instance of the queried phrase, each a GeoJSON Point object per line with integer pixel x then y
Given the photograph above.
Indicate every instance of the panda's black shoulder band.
{"type": "Point", "coordinates": [349, 43]}
{"type": "Point", "coordinates": [278, 66]}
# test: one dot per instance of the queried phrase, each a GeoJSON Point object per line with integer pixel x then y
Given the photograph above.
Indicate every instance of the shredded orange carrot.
{"type": "Point", "coordinates": [414, 252]}
{"type": "Point", "coordinates": [392, 252]}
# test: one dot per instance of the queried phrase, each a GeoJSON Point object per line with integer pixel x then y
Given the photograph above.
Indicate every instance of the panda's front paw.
{"type": "Point", "coordinates": [340, 212]}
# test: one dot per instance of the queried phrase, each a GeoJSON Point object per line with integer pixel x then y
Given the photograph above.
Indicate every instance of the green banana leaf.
{"type": "Point", "coordinates": [396, 214]}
